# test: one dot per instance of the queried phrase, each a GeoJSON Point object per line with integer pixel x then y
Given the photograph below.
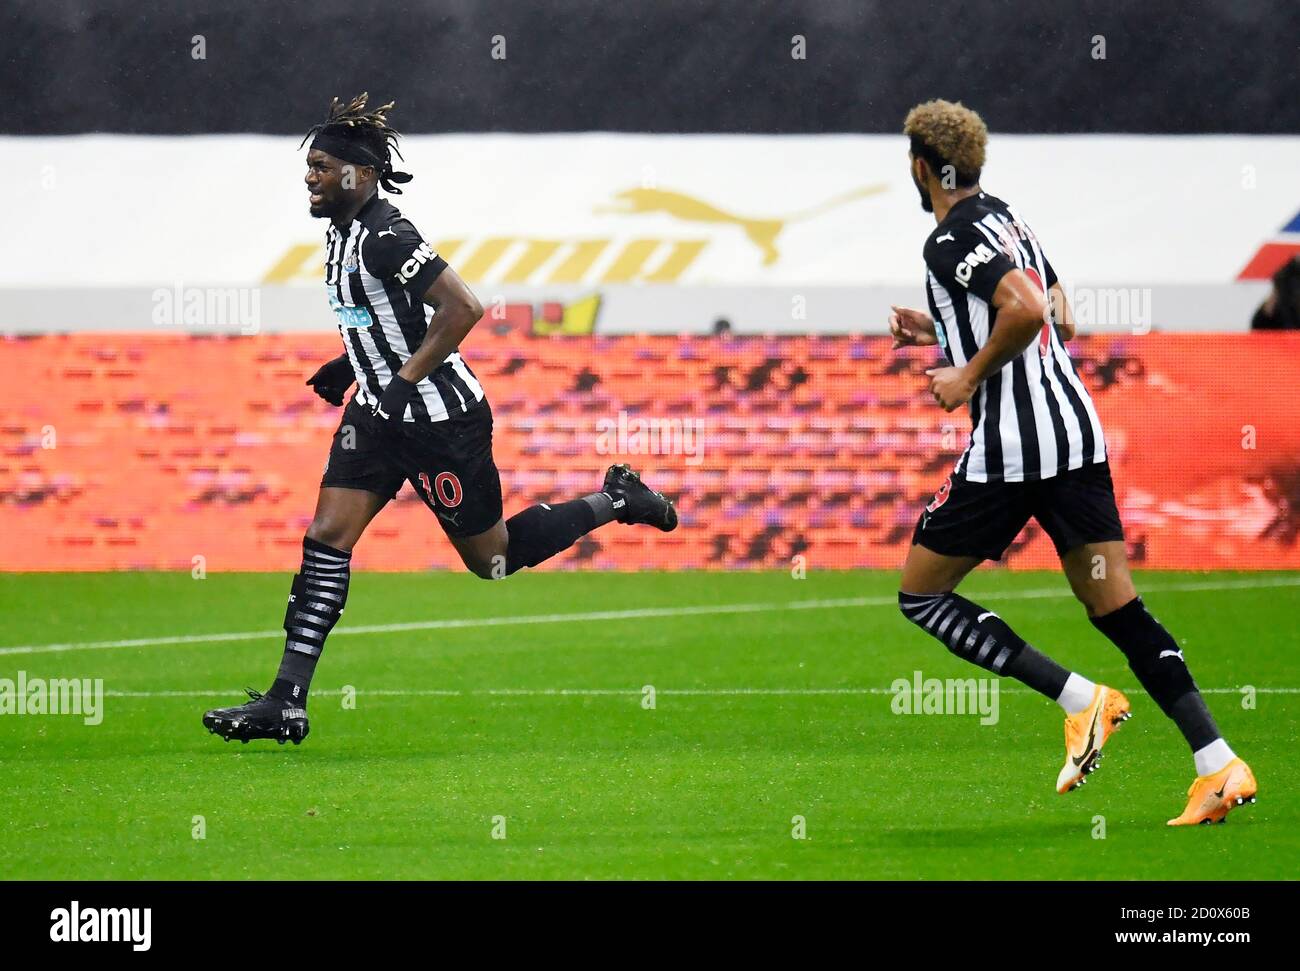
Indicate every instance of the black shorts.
{"type": "Point", "coordinates": [448, 463]}
{"type": "Point", "coordinates": [982, 518]}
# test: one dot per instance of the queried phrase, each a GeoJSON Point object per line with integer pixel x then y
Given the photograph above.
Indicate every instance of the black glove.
{"type": "Point", "coordinates": [332, 380]}
{"type": "Point", "coordinates": [386, 415]}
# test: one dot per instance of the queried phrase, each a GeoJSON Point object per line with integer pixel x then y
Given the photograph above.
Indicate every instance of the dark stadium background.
{"type": "Point", "coordinates": [585, 65]}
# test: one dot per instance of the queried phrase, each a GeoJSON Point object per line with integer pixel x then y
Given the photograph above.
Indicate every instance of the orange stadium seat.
{"type": "Point", "coordinates": [127, 451]}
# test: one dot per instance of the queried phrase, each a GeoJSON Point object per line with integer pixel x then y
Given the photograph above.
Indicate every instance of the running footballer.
{"type": "Point", "coordinates": [419, 415]}
{"type": "Point", "coordinates": [999, 314]}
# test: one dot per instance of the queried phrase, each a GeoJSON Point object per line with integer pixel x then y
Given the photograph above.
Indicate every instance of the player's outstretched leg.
{"type": "Point", "coordinates": [1223, 781]}
{"type": "Point", "coordinates": [975, 634]}
{"type": "Point", "coordinates": [539, 532]}
{"type": "Point", "coordinates": [978, 635]}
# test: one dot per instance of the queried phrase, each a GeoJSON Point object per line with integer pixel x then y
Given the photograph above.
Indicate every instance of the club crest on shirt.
{"type": "Point", "coordinates": [350, 261]}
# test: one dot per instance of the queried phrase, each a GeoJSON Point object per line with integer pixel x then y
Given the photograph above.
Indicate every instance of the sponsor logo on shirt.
{"type": "Point", "coordinates": [412, 266]}
{"type": "Point", "coordinates": [980, 255]}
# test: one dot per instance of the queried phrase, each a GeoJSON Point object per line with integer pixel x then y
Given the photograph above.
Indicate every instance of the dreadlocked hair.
{"type": "Point", "coordinates": [369, 127]}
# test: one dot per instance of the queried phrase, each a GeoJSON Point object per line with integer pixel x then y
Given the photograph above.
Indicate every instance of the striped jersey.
{"type": "Point", "coordinates": [1034, 418]}
{"type": "Point", "coordinates": [377, 270]}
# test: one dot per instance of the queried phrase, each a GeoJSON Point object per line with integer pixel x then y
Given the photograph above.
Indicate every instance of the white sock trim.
{"type": "Point", "coordinates": [1213, 758]}
{"type": "Point", "coordinates": [1076, 695]}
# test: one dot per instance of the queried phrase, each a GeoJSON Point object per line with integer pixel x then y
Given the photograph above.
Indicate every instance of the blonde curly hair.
{"type": "Point", "coordinates": [947, 133]}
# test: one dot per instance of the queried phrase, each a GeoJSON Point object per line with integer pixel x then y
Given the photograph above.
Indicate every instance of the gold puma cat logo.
{"type": "Point", "coordinates": [761, 232]}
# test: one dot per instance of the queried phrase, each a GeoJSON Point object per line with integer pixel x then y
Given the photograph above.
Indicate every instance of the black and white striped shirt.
{"type": "Point", "coordinates": [377, 271]}
{"type": "Point", "coordinates": [1034, 418]}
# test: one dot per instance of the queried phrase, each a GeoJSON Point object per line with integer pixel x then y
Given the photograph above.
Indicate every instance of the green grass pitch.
{"type": "Point", "coordinates": [762, 713]}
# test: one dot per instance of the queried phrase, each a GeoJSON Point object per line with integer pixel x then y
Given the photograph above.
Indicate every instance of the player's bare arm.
{"type": "Point", "coordinates": [1021, 307]}
{"type": "Point", "coordinates": [456, 311]}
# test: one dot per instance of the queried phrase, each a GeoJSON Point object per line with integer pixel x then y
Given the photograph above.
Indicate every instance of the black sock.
{"type": "Point", "coordinates": [980, 636]}
{"type": "Point", "coordinates": [602, 506]}
{"type": "Point", "coordinates": [316, 599]}
{"type": "Point", "coordinates": [541, 531]}
{"type": "Point", "coordinates": [1193, 718]}
{"type": "Point", "coordinates": [1157, 662]}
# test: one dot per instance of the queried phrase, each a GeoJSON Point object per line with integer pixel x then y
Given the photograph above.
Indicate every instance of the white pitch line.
{"type": "Point", "coordinates": [1047, 593]}
{"type": "Point", "coordinates": [621, 692]}
{"type": "Point", "coordinates": [420, 625]}
{"type": "Point", "coordinates": [320, 692]}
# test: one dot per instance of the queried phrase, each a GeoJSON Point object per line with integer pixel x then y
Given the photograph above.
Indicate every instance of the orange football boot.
{"type": "Point", "coordinates": [1086, 732]}
{"type": "Point", "coordinates": [1212, 796]}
